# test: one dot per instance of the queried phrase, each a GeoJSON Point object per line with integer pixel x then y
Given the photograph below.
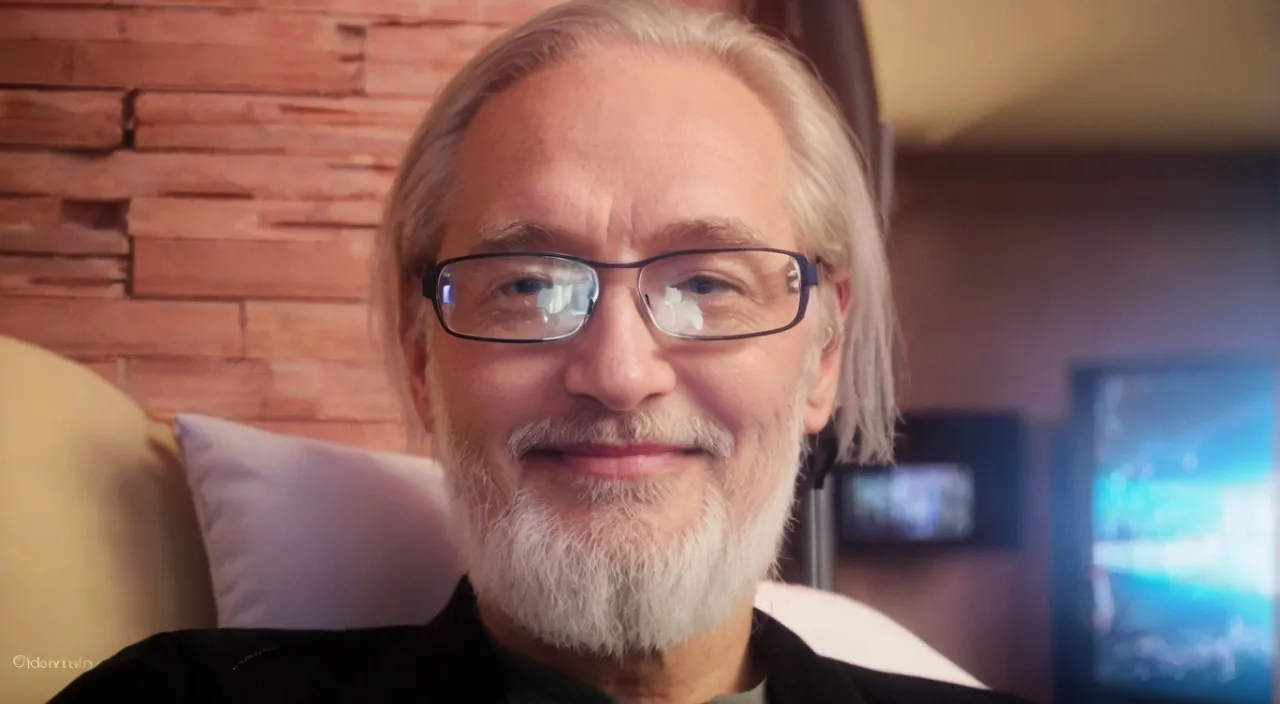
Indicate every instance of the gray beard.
{"type": "Point", "coordinates": [620, 585]}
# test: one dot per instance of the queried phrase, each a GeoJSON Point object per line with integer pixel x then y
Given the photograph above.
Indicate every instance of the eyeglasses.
{"type": "Point", "coordinates": [696, 294]}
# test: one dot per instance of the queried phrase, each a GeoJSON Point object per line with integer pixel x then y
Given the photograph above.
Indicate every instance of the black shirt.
{"type": "Point", "coordinates": [448, 661]}
{"type": "Point", "coordinates": [529, 683]}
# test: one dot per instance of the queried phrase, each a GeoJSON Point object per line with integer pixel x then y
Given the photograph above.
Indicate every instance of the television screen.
{"type": "Point", "coordinates": [1183, 552]}
{"type": "Point", "coordinates": [911, 503]}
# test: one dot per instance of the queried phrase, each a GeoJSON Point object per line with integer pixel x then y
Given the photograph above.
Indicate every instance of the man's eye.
{"type": "Point", "coordinates": [527, 286]}
{"type": "Point", "coordinates": [705, 286]}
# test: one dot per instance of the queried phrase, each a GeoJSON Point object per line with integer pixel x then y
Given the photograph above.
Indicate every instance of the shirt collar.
{"type": "Point", "coordinates": [441, 662]}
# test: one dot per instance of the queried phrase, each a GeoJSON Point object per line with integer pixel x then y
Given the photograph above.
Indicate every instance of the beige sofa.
{"type": "Point", "coordinates": [99, 545]}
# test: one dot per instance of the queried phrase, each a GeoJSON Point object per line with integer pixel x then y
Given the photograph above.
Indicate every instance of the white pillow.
{"type": "Point", "coordinates": [308, 534]}
{"type": "Point", "coordinates": [842, 629]}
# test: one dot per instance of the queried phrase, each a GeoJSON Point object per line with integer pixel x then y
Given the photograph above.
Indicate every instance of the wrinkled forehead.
{"type": "Point", "coordinates": [621, 154]}
{"type": "Point", "coordinates": [696, 233]}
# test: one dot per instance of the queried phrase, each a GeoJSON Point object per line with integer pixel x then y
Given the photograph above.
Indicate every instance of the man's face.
{"type": "Point", "coordinates": [672, 496]}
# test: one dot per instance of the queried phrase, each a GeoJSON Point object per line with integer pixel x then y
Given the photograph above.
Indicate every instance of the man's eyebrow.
{"type": "Point", "coordinates": [697, 233]}
{"type": "Point", "coordinates": [521, 235]}
{"type": "Point", "coordinates": [707, 233]}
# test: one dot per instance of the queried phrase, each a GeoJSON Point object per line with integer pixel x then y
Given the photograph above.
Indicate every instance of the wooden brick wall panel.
{"type": "Point", "coordinates": [165, 3]}
{"type": "Point", "coordinates": [62, 239]}
{"type": "Point", "coordinates": [242, 219]}
{"type": "Point", "coordinates": [165, 25]}
{"type": "Point", "coordinates": [345, 126]}
{"type": "Point", "coordinates": [332, 391]}
{"type": "Point", "coordinates": [308, 330]}
{"type": "Point", "coordinates": [419, 60]}
{"type": "Point", "coordinates": [153, 108]}
{"type": "Point", "coordinates": [434, 10]}
{"type": "Point", "coordinates": [442, 45]}
{"type": "Point", "coordinates": [125, 174]}
{"type": "Point", "coordinates": [387, 437]}
{"type": "Point", "coordinates": [403, 79]}
{"type": "Point", "coordinates": [62, 118]}
{"type": "Point", "coordinates": [260, 389]}
{"type": "Point", "coordinates": [100, 64]}
{"type": "Point", "coordinates": [383, 146]}
{"type": "Point", "coordinates": [333, 270]}
{"type": "Point", "coordinates": [513, 11]}
{"type": "Point", "coordinates": [124, 327]}
{"type": "Point", "coordinates": [36, 225]}
{"type": "Point", "coordinates": [30, 212]}
{"type": "Point", "coordinates": [61, 277]}
{"type": "Point", "coordinates": [111, 369]}
{"type": "Point", "coordinates": [253, 176]}
{"type": "Point", "coordinates": [226, 388]}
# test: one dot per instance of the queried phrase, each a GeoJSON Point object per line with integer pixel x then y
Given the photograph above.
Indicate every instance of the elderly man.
{"type": "Point", "coordinates": [629, 262]}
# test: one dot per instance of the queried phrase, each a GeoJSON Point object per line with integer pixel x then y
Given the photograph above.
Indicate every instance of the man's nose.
{"type": "Point", "coordinates": [618, 358]}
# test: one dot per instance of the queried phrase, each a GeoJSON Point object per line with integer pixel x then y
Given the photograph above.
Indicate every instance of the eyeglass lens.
{"type": "Point", "coordinates": [690, 295]}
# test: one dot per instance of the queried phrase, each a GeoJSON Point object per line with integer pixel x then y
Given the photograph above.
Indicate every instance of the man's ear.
{"type": "Point", "coordinates": [413, 347]}
{"type": "Point", "coordinates": [825, 388]}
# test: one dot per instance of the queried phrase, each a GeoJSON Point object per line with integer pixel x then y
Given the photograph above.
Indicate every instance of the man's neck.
{"type": "Point", "coordinates": [709, 665]}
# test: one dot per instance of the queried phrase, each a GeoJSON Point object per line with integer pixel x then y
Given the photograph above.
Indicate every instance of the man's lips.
{"type": "Point", "coordinates": [636, 461]}
{"type": "Point", "coordinates": [638, 450]}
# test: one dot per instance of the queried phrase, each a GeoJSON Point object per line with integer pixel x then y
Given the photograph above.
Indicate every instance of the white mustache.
{"type": "Point", "coordinates": [597, 428]}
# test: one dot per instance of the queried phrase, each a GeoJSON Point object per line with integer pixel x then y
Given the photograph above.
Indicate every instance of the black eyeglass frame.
{"type": "Point", "coordinates": [809, 277]}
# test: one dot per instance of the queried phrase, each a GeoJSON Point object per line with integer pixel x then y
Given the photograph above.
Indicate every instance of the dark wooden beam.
{"type": "Point", "coordinates": [1244, 184]}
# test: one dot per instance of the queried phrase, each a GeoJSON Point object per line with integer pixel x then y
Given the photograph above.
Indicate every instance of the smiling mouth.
{"type": "Point", "coordinates": [619, 462]}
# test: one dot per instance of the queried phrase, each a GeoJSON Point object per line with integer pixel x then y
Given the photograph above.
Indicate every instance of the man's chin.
{"type": "Point", "coordinates": [672, 502]}
{"type": "Point", "coordinates": [604, 580]}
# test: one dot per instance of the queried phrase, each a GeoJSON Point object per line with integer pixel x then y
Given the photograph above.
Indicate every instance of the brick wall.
{"type": "Point", "coordinates": [189, 190]}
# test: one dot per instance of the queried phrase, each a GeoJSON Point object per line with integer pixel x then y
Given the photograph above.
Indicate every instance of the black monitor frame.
{"type": "Point", "coordinates": [1072, 524]}
{"type": "Point", "coordinates": [992, 444]}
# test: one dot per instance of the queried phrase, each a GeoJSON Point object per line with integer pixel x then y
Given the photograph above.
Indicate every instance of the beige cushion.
{"type": "Point", "coordinates": [99, 546]}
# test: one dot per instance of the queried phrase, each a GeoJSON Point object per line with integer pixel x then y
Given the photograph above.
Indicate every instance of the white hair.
{"type": "Point", "coordinates": [829, 199]}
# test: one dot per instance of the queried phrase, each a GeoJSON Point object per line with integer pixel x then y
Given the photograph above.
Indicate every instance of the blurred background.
{"type": "Point", "coordinates": [1082, 200]}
